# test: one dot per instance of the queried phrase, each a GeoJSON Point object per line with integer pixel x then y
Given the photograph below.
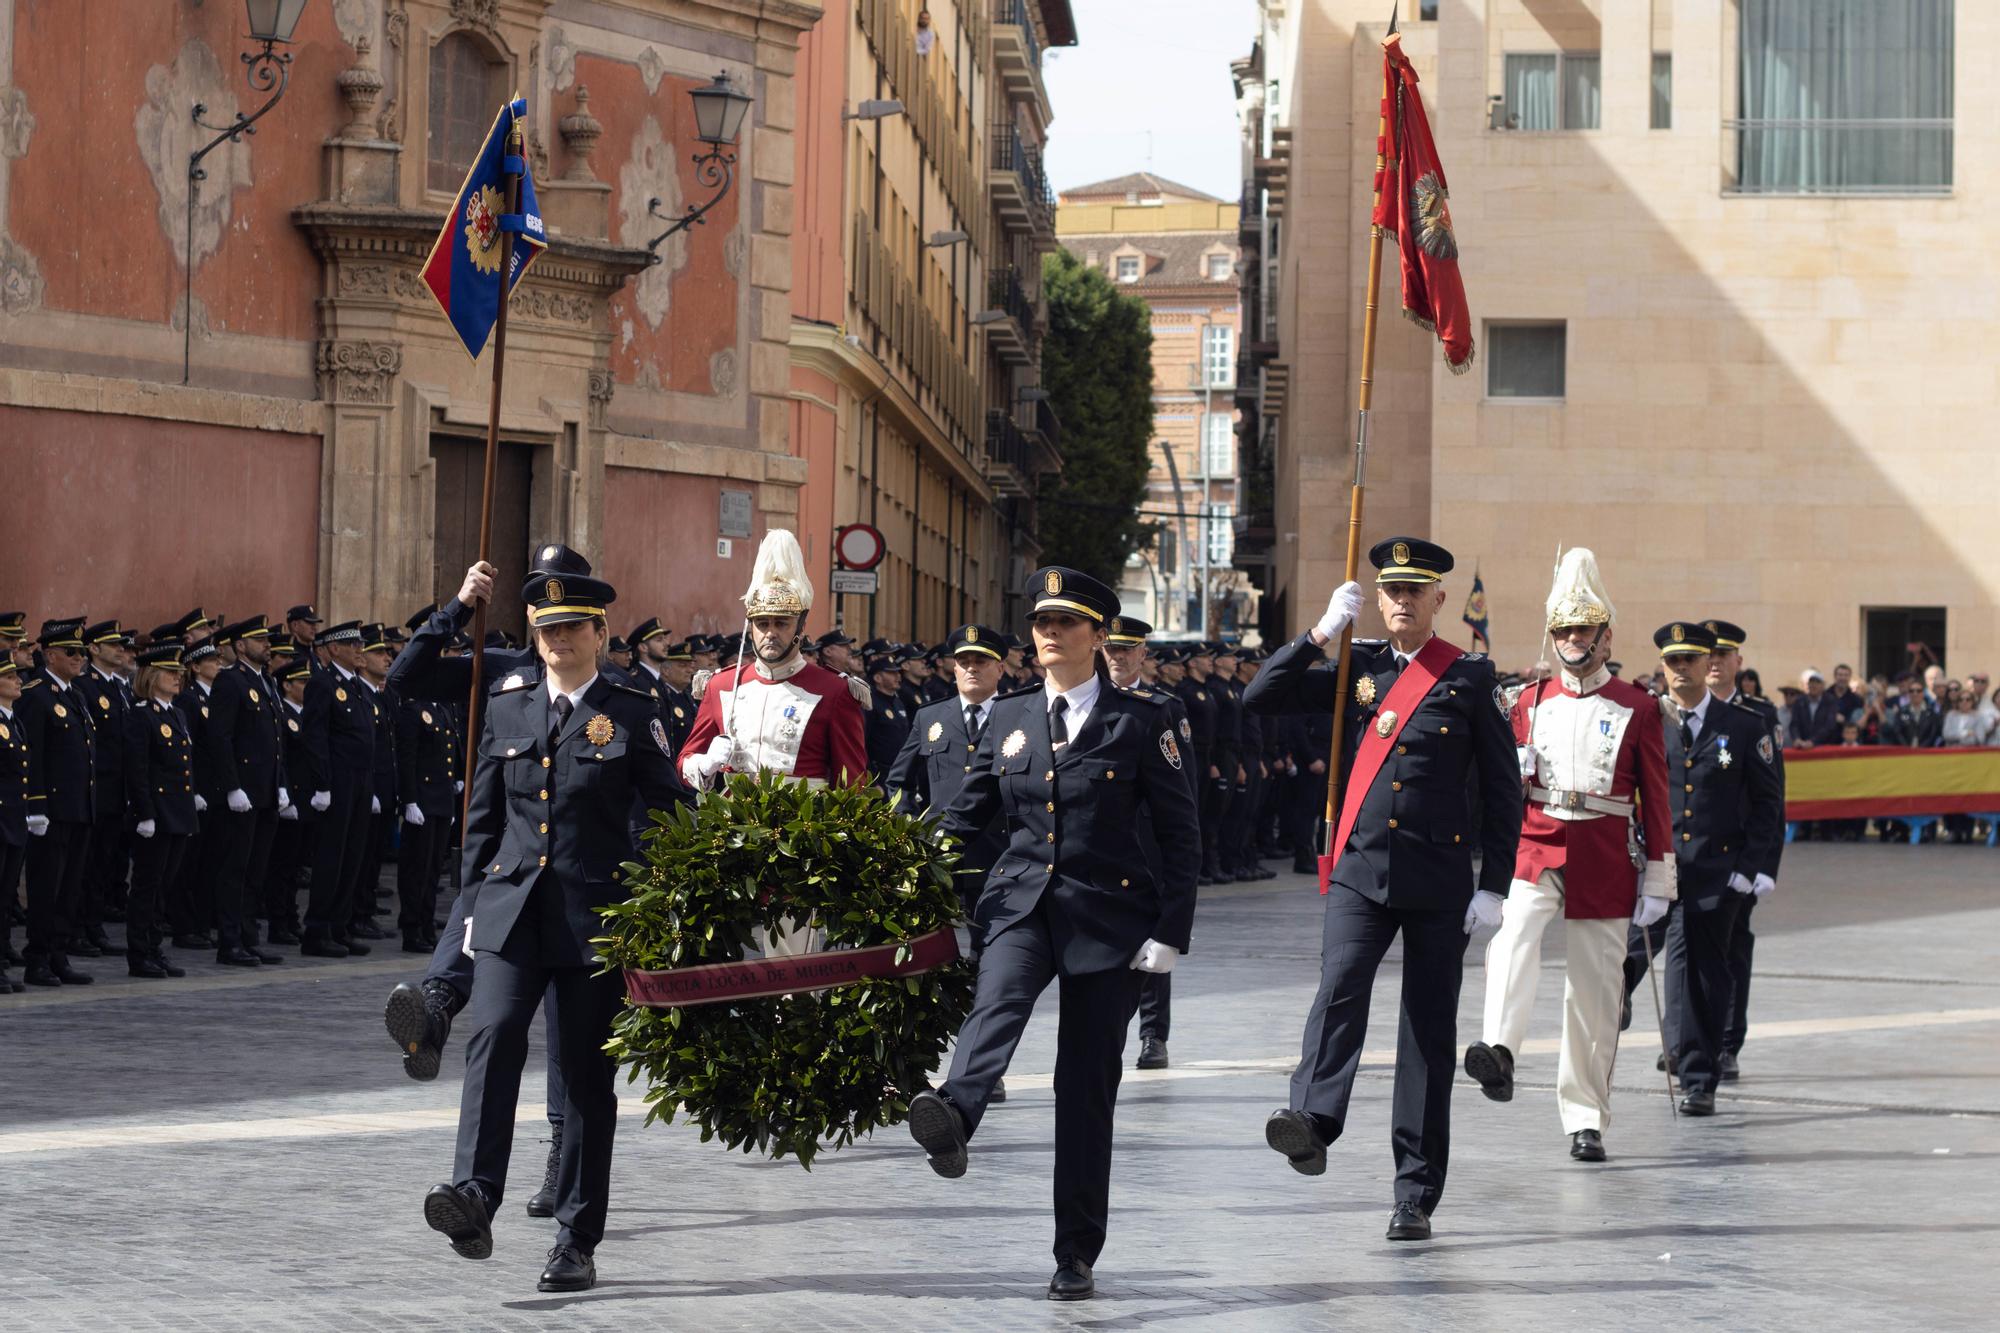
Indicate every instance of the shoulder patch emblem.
{"type": "Point", "coordinates": [1169, 749]}
{"type": "Point", "coordinates": [1500, 700]}
{"type": "Point", "coordinates": [1764, 748]}
{"type": "Point", "coordinates": [1187, 732]}
{"type": "Point", "coordinates": [1016, 742]}
{"type": "Point", "coordinates": [937, 730]}
{"type": "Point", "coordinates": [659, 733]}
{"type": "Point", "coordinates": [599, 731]}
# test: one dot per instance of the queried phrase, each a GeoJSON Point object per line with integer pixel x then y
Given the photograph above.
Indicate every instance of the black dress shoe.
{"type": "Point", "coordinates": [282, 935]}
{"type": "Point", "coordinates": [413, 943]}
{"type": "Point", "coordinates": [321, 946]}
{"type": "Point", "coordinates": [1698, 1103]}
{"type": "Point", "coordinates": [1305, 868]}
{"type": "Point", "coordinates": [15, 986]}
{"type": "Point", "coordinates": [146, 968]}
{"type": "Point", "coordinates": [462, 1215]}
{"type": "Point", "coordinates": [98, 939]}
{"type": "Point", "coordinates": [41, 974]}
{"type": "Point", "coordinates": [70, 976]}
{"type": "Point", "coordinates": [1152, 1053]}
{"type": "Point", "coordinates": [264, 958]}
{"type": "Point", "coordinates": [83, 948]}
{"type": "Point", "coordinates": [368, 930]}
{"type": "Point", "coordinates": [1072, 1281]}
{"type": "Point", "coordinates": [353, 946]}
{"type": "Point", "coordinates": [570, 1269]}
{"type": "Point", "coordinates": [194, 940]}
{"type": "Point", "coordinates": [1409, 1222]}
{"type": "Point", "coordinates": [1661, 1063]}
{"type": "Point", "coordinates": [999, 1093]}
{"type": "Point", "coordinates": [235, 956]}
{"type": "Point", "coordinates": [166, 966]}
{"type": "Point", "coordinates": [1492, 1067]}
{"type": "Point", "coordinates": [419, 1022]}
{"type": "Point", "coordinates": [1587, 1145]}
{"type": "Point", "coordinates": [939, 1130]}
{"type": "Point", "coordinates": [1294, 1134]}
{"type": "Point", "coordinates": [1725, 1067]}
{"type": "Point", "coordinates": [543, 1204]}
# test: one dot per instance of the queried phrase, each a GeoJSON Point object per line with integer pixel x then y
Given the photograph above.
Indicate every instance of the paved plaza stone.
{"type": "Point", "coordinates": [244, 1152]}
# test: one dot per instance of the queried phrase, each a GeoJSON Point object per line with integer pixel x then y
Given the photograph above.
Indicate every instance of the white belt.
{"type": "Point", "coordinates": [1573, 801]}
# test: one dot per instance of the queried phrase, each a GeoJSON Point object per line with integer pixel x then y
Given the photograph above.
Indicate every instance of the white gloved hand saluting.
{"type": "Point", "coordinates": [412, 815]}
{"type": "Point", "coordinates": [38, 825]}
{"type": "Point", "coordinates": [1648, 911]}
{"type": "Point", "coordinates": [1483, 910]}
{"type": "Point", "coordinates": [239, 802]}
{"type": "Point", "coordinates": [1341, 609]}
{"type": "Point", "coordinates": [1763, 885]}
{"type": "Point", "coordinates": [321, 800]}
{"type": "Point", "coordinates": [1741, 884]}
{"type": "Point", "coordinates": [1154, 956]}
{"type": "Point", "coordinates": [146, 828]}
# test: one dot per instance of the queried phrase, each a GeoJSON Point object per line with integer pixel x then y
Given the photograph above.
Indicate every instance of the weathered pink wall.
{"type": "Point", "coordinates": [142, 519]}
{"type": "Point", "coordinates": [659, 553]}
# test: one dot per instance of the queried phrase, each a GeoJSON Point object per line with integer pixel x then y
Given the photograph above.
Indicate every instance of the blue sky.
{"type": "Point", "coordinates": [1146, 88]}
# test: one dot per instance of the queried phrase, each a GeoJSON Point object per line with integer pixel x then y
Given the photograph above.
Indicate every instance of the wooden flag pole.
{"type": "Point", "coordinates": [1344, 663]}
{"type": "Point", "coordinates": [516, 147]}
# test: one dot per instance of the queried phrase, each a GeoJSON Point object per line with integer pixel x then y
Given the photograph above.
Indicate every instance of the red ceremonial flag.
{"type": "Point", "coordinates": [1411, 204]}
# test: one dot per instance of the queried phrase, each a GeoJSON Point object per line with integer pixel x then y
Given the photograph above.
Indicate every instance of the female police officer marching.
{"type": "Point", "coordinates": [1070, 762]}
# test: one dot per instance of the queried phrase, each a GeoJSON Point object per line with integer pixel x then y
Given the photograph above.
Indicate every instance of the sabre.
{"type": "Point", "coordinates": [1660, 1018]}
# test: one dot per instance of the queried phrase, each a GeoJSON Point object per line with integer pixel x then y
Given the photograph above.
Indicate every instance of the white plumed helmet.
{"type": "Point", "coordinates": [779, 585]}
{"type": "Point", "coordinates": [1578, 597]}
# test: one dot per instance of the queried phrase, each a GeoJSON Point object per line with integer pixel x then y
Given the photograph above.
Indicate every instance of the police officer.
{"type": "Point", "coordinates": [677, 704]}
{"type": "Point", "coordinates": [191, 893]}
{"type": "Point", "coordinates": [1312, 745]}
{"type": "Point", "coordinates": [565, 761]}
{"type": "Point", "coordinates": [339, 716]}
{"type": "Point", "coordinates": [428, 765]}
{"type": "Point", "coordinates": [305, 772]}
{"type": "Point", "coordinates": [1198, 697]}
{"type": "Point", "coordinates": [1730, 817]}
{"type": "Point", "coordinates": [1723, 665]}
{"type": "Point", "coordinates": [159, 777]}
{"type": "Point", "coordinates": [61, 801]}
{"type": "Point", "coordinates": [1421, 731]}
{"type": "Point", "coordinates": [13, 804]}
{"type": "Point", "coordinates": [887, 725]}
{"type": "Point", "coordinates": [1071, 764]}
{"type": "Point", "coordinates": [384, 806]}
{"type": "Point", "coordinates": [103, 690]}
{"type": "Point", "coordinates": [243, 721]}
{"type": "Point", "coordinates": [649, 641]}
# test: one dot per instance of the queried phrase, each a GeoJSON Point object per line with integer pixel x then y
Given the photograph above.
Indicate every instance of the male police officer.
{"type": "Point", "coordinates": [61, 802]}
{"type": "Point", "coordinates": [243, 723]}
{"type": "Point", "coordinates": [1422, 728]}
{"type": "Point", "coordinates": [340, 716]}
{"type": "Point", "coordinates": [1723, 665]}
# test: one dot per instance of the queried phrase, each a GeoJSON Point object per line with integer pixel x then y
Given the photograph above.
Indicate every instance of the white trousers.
{"type": "Point", "coordinates": [1593, 983]}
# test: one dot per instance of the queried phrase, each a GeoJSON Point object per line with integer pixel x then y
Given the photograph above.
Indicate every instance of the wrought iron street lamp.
{"type": "Point", "coordinates": [272, 23]}
{"type": "Point", "coordinates": [719, 108]}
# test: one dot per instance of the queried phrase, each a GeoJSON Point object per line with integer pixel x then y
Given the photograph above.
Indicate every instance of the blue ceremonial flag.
{"type": "Point", "coordinates": [1475, 613]}
{"type": "Point", "coordinates": [463, 271]}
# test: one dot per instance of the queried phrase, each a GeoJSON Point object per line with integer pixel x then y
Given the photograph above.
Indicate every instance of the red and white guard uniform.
{"type": "Point", "coordinates": [799, 719]}
{"type": "Point", "coordinates": [1593, 755]}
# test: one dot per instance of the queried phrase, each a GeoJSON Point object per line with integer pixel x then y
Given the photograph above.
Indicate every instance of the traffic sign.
{"type": "Point", "coordinates": [858, 582]}
{"type": "Point", "coordinates": [858, 546]}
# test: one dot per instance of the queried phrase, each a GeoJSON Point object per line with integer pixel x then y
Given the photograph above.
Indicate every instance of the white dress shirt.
{"type": "Point", "coordinates": [1081, 700]}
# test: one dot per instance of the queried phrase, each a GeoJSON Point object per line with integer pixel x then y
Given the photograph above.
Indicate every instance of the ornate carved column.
{"type": "Point", "coordinates": [361, 500]}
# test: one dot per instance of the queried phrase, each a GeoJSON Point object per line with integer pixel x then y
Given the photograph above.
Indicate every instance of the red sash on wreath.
{"type": "Point", "coordinates": [1424, 671]}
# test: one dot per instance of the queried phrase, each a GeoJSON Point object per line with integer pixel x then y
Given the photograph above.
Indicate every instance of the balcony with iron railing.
{"type": "Point", "coordinates": [1012, 336]}
{"type": "Point", "coordinates": [1046, 428]}
{"type": "Point", "coordinates": [1009, 456]}
{"type": "Point", "coordinates": [1019, 185]}
{"type": "Point", "coordinates": [1017, 53]}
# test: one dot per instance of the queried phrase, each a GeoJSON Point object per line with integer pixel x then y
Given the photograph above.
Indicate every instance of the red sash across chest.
{"type": "Point", "coordinates": [1424, 671]}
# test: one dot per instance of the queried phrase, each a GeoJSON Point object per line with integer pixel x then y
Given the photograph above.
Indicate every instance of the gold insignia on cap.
{"type": "Point", "coordinates": [599, 731]}
{"type": "Point", "coordinates": [937, 730]}
{"type": "Point", "coordinates": [972, 634]}
{"type": "Point", "coordinates": [1117, 624]}
{"type": "Point", "coordinates": [1678, 634]}
{"type": "Point", "coordinates": [1052, 582]}
{"type": "Point", "coordinates": [1364, 691]}
{"type": "Point", "coordinates": [1385, 723]}
{"type": "Point", "coordinates": [553, 590]}
{"type": "Point", "coordinates": [1400, 553]}
{"type": "Point", "coordinates": [1016, 742]}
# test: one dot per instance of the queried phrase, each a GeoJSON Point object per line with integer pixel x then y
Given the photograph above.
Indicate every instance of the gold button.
{"type": "Point", "coordinates": [1049, 776]}
{"type": "Point", "coordinates": [545, 759]}
{"type": "Point", "coordinates": [968, 768]}
{"type": "Point", "coordinates": [1690, 787]}
{"type": "Point", "coordinates": [1686, 813]}
{"type": "Point", "coordinates": [1456, 838]}
{"type": "Point", "coordinates": [1444, 731]}
{"type": "Point", "coordinates": [1124, 883]}
{"type": "Point", "coordinates": [545, 793]}
{"type": "Point", "coordinates": [1392, 823]}
{"type": "Point", "coordinates": [1110, 772]}
{"type": "Point", "coordinates": [1402, 749]}
{"type": "Point", "coordinates": [1395, 786]}
{"type": "Point", "coordinates": [615, 875]}
{"type": "Point", "coordinates": [1052, 807]}
{"type": "Point", "coordinates": [543, 861]}
{"type": "Point", "coordinates": [545, 828]}
{"type": "Point", "coordinates": [496, 867]}
{"type": "Point", "coordinates": [1051, 837]}
{"type": "Point", "coordinates": [510, 754]}
{"type": "Point", "coordinates": [1687, 837]}
{"type": "Point", "coordinates": [1687, 763]}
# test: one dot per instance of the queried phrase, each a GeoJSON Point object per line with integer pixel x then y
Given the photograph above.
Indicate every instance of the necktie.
{"type": "Point", "coordinates": [1058, 724]}
{"type": "Point", "coordinates": [972, 723]}
{"type": "Point", "coordinates": [563, 707]}
{"type": "Point", "coordinates": [1687, 730]}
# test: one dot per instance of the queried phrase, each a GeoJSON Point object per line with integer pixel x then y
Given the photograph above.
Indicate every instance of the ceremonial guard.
{"type": "Point", "coordinates": [1124, 652]}
{"type": "Point", "coordinates": [778, 712]}
{"type": "Point", "coordinates": [104, 692]}
{"type": "Point", "coordinates": [13, 803]}
{"type": "Point", "coordinates": [342, 722]}
{"type": "Point", "coordinates": [1726, 827]}
{"type": "Point", "coordinates": [1723, 665]}
{"type": "Point", "coordinates": [1072, 766]}
{"type": "Point", "coordinates": [61, 802]}
{"type": "Point", "coordinates": [1424, 741]}
{"type": "Point", "coordinates": [568, 764]}
{"type": "Point", "coordinates": [243, 720]}
{"type": "Point", "coordinates": [159, 778]}
{"type": "Point", "coordinates": [1594, 849]}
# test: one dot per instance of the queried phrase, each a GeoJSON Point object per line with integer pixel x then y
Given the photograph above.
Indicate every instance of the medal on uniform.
{"type": "Point", "coordinates": [678, 714]}
{"type": "Point", "coordinates": [5, 735]}
{"type": "Point", "coordinates": [61, 711]}
{"type": "Point", "coordinates": [426, 716]}
{"type": "Point", "coordinates": [599, 731]}
{"type": "Point", "coordinates": [103, 703]}
{"type": "Point", "coordinates": [166, 731]}
{"type": "Point", "coordinates": [292, 722]}
{"type": "Point", "coordinates": [1385, 723]}
{"type": "Point", "coordinates": [937, 730]}
{"type": "Point", "coordinates": [1364, 691]}
{"type": "Point", "coordinates": [340, 693]}
{"type": "Point", "coordinates": [1722, 755]}
{"type": "Point", "coordinates": [254, 698]}
{"type": "Point", "coordinates": [1016, 742]}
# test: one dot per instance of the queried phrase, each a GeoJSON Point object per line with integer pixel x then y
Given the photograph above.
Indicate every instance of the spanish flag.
{"type": "Point", "coordinates": [463, 271]}
{"type": "Point", "coordinates": [1859, 782]}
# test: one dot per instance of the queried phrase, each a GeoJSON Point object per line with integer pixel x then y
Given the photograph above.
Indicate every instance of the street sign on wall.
{"type": "Point", "coordinates": [858, 546]}
{"type": "Point", "coordinates": [855, 582]}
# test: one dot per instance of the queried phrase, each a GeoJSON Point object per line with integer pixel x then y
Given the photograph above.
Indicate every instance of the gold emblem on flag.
{"type": "Point", "coordinates": [482, 229]}
{"type": "Point", "coordinates": [553, 590]}
{"type": "Point", "coordinates": [1433, 214]}
{"type": "Point", "coordinates": [1364, 691]}
{"type": "Point", "coordinates": [1385, 723]}
{"type": "Point", "coordinates": [1016, 742]}
{"type": "Point", "coordinates": [1400, 553]}
{"type": "Point", "coordinates": [1052, 582]}
{"type": "Point", "coordinates": [599, 731]}
{"type": "Point", "coordinates": [937, 730]}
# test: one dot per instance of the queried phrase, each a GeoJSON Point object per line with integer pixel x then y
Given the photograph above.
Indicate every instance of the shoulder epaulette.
{"type": "Point", "coordinates": [1025, 689]}
{"type": "Point", "coordinates": [33, 682]}
{"type": "Point", "coordinates": [650, 696]}
{"type": "Point", "coordinates": [1472, 657]}
{"type": "Point", "coordinates": [1746, 706]}
{"type": "Point", "coordinates": [1146, 696]}
{"type": "Point", "coordinates": [516, 681]}
{"type": "Point", "coordinates": [1371, 643]}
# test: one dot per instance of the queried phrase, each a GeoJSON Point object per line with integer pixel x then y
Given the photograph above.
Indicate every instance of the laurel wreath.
{"type": "Point", "coordinates": [787, 1076]}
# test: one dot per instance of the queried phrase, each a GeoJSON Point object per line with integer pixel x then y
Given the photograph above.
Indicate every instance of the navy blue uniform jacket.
{"type": "Point", "coordinates": [1731, 819]}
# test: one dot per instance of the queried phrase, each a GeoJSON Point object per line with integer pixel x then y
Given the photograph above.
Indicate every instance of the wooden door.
{"type": "Point", "coordinates": [460, 475]}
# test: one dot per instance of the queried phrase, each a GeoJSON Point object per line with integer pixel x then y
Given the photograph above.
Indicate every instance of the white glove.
{"type": "Point", "coordinates": [284, 798]}
{"type": "Point", "coordinates": [1484, 910]}
{"type": "Point", "coordinates": [146, 828]}
{"type": "Point", "coordinates": [38, 825]}
{"type": "Point", "coordinates": [1341, 609]}
{"type": "Point", "coordinates": [288, 811]}
{"type": "Point", "coordinates": [239, 802]}
{"type": "Point", "coordinates": [1649, 910]}
{"type": "Point", "coordinates": [321, 800]}
{"type": "Point", "coordinates": [1154, 956]}
{"type": "Point", "coordinates": [458, 788]}
{"type": "Point", "coordinates": [1741, 884]}
{"type": "Point", "coordinates": [1763, 885]}
{"type": "Point", "coordinates": [700, 769]}
{"type": "Point", "coordinates": [200, 806]}
{"type": "Point", "coordinates": [412, 815]}
{"type": "Point", "coordinates": [466, 948]}
{"type": "Point", "coordinates": [1525, 754]}
{"type": "Point", "coordinates": [374, 805]}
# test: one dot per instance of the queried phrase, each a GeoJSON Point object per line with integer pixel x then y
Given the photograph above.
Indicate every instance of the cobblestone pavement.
{"type": "Point", "coordinates": [232, 1152]}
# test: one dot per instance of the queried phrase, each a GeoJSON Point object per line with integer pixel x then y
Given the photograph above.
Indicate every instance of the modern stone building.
{"type": "Point", "coordinates": [1734, 314]}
